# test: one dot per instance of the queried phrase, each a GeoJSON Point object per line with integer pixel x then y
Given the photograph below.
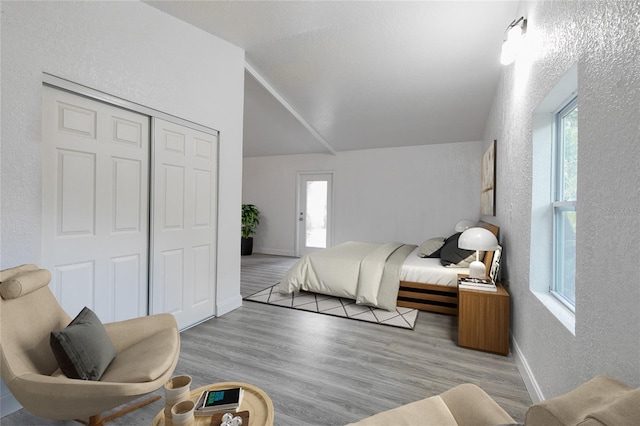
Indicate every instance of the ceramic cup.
{"type": "Point", "coordinates": [176, 390]}
{"type": "Point", "coordinates": [182, 413]}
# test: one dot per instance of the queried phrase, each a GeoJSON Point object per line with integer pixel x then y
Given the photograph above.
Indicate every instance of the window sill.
{"type": "Point", "coordinates": [561, 312]}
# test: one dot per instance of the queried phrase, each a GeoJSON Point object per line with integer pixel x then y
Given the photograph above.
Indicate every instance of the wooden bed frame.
{"type": "Point", "coordinates": [438, 298]}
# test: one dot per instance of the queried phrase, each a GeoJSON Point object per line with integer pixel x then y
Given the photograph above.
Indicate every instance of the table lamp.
{"type": "Point", "coordinates": [478, 239]}
{"type": "Point", "coordinates": [463, 225]}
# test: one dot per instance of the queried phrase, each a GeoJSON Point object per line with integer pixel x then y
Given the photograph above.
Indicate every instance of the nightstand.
{"type": "Point", "coordinates": [483, 320]}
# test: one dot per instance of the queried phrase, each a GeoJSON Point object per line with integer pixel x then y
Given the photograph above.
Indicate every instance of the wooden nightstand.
{"type": "Point", "coordinates": [483, 320]}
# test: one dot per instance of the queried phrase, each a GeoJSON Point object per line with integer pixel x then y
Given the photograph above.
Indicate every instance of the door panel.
{"type": "Point", "coordinates": [184, 223]}
{"type": "Point", "coordinates": [127, 199]}
{"type": "Point", "coordinates": [125, 275]}
{"type": "Point", "coordinates": [168, 281]}
{"type": "Point", "coordinates": [95, 205]}
{"type": "Point", "coordinates": [170, 195]}
{"type": "Point", "coordinates": [75, 284]}
{"type": "Point", "coordinates": [76, 195]}
{"type": "Point", "coordinates": [203, 201]}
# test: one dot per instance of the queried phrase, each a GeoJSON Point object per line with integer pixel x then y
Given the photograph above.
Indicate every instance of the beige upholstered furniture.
{"type": "Point", "coordinates": [602, 401]}
{"type": "Point", "coordinates": [465, 404]}
{"type": "Point", "coordinates": [146, 348]}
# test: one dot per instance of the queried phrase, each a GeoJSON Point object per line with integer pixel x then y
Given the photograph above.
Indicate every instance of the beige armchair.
{"type": "Point", "coordinates": [146, 348]}
{"type": "Point", "coordinates": [464, 404]}
{"type": "Point", "coordinates": [602, 401]}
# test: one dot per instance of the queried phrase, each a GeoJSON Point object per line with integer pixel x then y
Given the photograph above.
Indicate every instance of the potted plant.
{"type": "Point", "coordinates": [250, 221]}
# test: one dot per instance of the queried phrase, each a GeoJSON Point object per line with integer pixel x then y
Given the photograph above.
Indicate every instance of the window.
{"type": "Point", "coordinates": [564, 183]}
{"type": "Point", "coordinates": [554, 168]}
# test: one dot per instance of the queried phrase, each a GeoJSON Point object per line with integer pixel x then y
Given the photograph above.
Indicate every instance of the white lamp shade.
{"type": "Point", "coordinates": [478, 239]}
{"type": "Point", "coordinates": [463, 225]}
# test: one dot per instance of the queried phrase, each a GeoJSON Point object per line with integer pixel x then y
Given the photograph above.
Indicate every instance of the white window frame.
{"type": "Point", "coordinates": [560, 206]}
{"type": "Point", "coordinates": [541, 270]}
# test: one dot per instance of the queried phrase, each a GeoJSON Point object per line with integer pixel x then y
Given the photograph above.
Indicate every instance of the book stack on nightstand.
{"type": "Point", "coordinates": [477, 284]}
{"type": "Point", "coordinates": [483, 318]}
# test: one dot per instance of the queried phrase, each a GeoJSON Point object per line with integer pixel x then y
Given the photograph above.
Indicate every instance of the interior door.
{"type": "Point", "coordinates": [95, 205]}
{"type": "Point", "coordinates": [183, 222]}
{"type": "Point", "coordinates": [314, 216]}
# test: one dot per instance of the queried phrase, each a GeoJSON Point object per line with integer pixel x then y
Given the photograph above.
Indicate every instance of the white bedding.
{"type": "Point", "coordinates": [365, 272]}
{"type": "Point", "coordinates": [429, 270]}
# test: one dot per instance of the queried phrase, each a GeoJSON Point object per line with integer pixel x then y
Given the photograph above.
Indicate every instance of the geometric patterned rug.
{"type": "Point", "coordinates": [336, 306]}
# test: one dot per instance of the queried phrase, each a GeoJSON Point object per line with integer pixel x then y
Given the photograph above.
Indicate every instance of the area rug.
{"type": "Point", "coordinates": [336, 306]}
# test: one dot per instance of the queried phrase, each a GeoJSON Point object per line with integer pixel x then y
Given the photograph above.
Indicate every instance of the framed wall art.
{"type": "Point", "coordinates": [488, 178]}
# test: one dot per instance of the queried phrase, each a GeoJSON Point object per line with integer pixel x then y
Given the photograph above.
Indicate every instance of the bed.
{"type": "Point", "coordinates": [428, 286]}
{"type": "Point", "coordinates": [381, 275]}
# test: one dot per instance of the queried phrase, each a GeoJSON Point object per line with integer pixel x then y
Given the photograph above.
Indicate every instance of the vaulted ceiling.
{"type": "Point", "coordinates": [330, 76]}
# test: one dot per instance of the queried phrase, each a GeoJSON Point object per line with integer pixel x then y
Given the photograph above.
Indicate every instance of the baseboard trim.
{"type": "Point", "coordinates": [535, 393]}
{"type": "Point", "coordinates": [228, 305]}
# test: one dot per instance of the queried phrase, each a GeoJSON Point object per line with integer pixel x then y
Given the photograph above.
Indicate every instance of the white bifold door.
{"type": "Point", "coordinates": [95, 205]}
{"type": "Point", "coordinates": [112, 243]}
{"type": "Point", "coordinates": [184, 222]}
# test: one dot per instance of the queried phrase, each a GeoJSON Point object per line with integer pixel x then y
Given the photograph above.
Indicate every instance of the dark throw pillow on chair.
{"type": "Point", "coordinates": [83, 349]}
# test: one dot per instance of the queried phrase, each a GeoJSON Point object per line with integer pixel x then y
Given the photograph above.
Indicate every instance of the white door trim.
{"type": "Point", "coordinates": [88, 92]}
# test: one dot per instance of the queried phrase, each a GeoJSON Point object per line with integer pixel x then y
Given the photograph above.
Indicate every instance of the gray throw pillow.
{"type": "Point", "coordinates": [83, 349]}
{"type": "Point", "coordinates": [431, 247]}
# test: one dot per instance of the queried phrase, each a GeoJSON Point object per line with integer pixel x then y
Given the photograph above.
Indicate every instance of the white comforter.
{"type": "Point", "coordinates": [366, 272]}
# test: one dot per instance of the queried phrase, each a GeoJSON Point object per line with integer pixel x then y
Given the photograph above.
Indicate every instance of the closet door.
{"type": "Point", "coordinates": [183, 222]}
{"type": "Point", "coordinates": [95, 205]}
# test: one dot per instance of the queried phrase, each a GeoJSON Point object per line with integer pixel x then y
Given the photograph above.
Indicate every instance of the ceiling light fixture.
{"type": "Point", "coordinates": [515, 34]}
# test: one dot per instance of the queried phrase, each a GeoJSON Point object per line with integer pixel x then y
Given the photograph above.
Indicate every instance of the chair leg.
{"type": "Point", "coordinates": [98, 420]}
{"type": "Point", "coordinates": [93, 421]}
{"type": "Point", "coordinates": [129, 409]}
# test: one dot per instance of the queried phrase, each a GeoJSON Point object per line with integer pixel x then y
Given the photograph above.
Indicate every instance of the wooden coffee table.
{"type": "Point", "coordinates": [255, 401]}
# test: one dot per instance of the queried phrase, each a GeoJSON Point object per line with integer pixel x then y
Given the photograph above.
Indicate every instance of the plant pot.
{"type": "Point", "coordinates": [247, 246]}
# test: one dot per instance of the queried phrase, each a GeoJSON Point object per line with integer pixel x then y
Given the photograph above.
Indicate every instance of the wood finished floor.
{"type": "Point", "coordinates": [323, 370]}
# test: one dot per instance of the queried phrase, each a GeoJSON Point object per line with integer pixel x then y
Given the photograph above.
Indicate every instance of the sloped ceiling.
{"type": "Point", "coordinates": [330, 76]}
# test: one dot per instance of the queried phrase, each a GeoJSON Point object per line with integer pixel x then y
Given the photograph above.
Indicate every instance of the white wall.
{"type": "Point", "coordinates": [603, 39]}
{"type": "Point", "coordinates": [380, 195]}
{"type": "Point", "coordinates": [132, 51]}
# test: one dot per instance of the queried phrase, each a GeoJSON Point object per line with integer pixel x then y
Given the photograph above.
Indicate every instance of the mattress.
{"type": "Point", "coordinates": [429, 271]}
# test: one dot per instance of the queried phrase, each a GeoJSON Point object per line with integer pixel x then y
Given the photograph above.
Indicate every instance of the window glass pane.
{"type": "Point", "coordinates": [316, 220]}
{"type": "Point", "coordinates": [569, 147]}
{"type": "Point", "coordinates": [564, 207]}
{"type": "Point", "coordinates": [566, 253]}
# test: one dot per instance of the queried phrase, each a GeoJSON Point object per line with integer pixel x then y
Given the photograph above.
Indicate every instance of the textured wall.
{"type": "Point", "coordinates": [604, 40]}
{"type": "Point", "coordinates": [129, 50]}
{"type": "Point", "coordinates": [380, 195]}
